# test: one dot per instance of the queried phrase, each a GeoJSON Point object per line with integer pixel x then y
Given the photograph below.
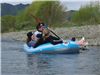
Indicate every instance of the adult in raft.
{"type": "Point", "coordinates": [42, 36]}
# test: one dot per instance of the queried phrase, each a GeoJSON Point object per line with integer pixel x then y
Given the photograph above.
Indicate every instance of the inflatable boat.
{"type": "Point", "coordinates": [48, 48]}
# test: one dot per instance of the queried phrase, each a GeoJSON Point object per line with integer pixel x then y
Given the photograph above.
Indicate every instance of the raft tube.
{"type": "Point", "coordinates": [48, 48]}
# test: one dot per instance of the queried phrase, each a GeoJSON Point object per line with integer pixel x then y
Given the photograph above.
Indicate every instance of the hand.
{"type": "Point", "coordinates": [45, 31]}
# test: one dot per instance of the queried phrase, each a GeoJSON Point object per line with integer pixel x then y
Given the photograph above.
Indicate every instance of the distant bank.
{"type": "Point", "coordinates": [90, 32]}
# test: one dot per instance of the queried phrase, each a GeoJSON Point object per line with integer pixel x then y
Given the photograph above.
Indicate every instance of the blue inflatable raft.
{"type": "Point", "coordinates": [48, 48]}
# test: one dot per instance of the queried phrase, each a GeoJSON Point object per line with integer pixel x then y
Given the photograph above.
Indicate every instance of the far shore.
{"type": "Point", "coordinates": [90, 32]}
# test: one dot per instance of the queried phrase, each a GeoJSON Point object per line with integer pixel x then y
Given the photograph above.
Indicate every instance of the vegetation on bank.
{"type": "Point", "coordinates": [8, 23]}
{"type": "Point", "coordinates": [50, 12]}
{"type": "Point", "coordinates": [53, 14]}
{"type": "Point", "coordinates": [87, 15]}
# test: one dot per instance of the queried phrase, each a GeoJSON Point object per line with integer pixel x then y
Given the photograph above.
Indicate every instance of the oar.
{"type": "Point", "coordinates": [38, 20]}
{"type": "Point", "coordinates": [54, 33]}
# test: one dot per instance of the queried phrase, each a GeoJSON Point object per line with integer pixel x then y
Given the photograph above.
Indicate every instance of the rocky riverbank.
{"type": "Point", "coordinates": [91, 33]}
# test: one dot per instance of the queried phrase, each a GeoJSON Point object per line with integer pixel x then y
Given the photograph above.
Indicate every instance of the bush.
{"type": "Point", "coordinates": [7, 23]}
{"type": "Point", "coordinates": [89, 14]}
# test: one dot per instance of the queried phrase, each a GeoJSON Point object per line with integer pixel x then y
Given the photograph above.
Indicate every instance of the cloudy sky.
{"type": "Point", "coordinates": [14, 2]}
{"type": "Point", "coordinates": [70, 4]}
{"type": "Point", "coordinates": [75, 5]}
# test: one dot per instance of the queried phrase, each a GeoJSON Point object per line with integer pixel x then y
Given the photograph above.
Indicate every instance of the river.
{"type": "Point", "coordinates": [14, 61]}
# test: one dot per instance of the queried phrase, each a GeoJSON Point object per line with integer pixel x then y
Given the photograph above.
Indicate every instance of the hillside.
{"type": "Point", "coordinates": [8, 9]}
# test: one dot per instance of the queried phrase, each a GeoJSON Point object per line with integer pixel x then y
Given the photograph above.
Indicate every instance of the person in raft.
{"type": "Point", "coordinates": [30, 39]}
{"type": "Point", "coordinates": [81, 42]}
{"type": "Point", "coordinates": [33, 38]}
{"type": "Point", "coordinates": [43, 36]}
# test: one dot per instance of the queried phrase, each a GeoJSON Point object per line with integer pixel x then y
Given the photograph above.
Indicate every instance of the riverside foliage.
{"type": "Point", "coordinates": [87, 15]}
{"type": "Point", "coordinates": [53, 14]}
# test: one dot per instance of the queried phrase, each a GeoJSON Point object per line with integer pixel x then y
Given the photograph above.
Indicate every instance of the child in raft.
{"type": "Point", "coordinates": [30, 39]}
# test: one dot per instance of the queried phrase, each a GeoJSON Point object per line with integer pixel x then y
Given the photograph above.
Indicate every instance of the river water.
{"type": "Point", "coordinates": [14, 61]}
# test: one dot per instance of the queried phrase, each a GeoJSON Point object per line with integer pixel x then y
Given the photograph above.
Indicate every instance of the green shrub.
{"type": "Point", "coordinates": [8, 23]}
{"type": "Point", "coordinates": [89, 14]}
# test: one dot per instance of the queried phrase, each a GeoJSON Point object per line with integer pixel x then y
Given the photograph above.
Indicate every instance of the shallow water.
{"type": "Point", "coordinates": [16, 62]}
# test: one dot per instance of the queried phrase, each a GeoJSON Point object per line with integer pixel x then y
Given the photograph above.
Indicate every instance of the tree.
{"type": "Point", "coordinates": [7, 23]}
{"type": "Point", "coordinates": [51, 12]}
{"type": "Point", "coordinates": [89, 14]}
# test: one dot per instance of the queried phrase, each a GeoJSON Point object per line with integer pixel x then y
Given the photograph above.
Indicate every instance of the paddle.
{"type": "Point", "coordinates": [38, 20]}
{"type": "Point", "coordinates": [53, 32]}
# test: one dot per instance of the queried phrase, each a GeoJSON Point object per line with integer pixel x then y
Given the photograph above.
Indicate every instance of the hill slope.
{"type": "Point", "coordinates": [8, 9]}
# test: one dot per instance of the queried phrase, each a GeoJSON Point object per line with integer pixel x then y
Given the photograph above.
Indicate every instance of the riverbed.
{"type": "Point", "coordinates": [14, 61]}
{"type": "Point", "coordinates": [90, 32]}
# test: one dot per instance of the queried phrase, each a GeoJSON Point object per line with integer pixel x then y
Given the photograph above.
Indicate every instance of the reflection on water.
{"type": "Point", "coordinates": [51, 64]}
{"type": "Point", "coordinates": [16, 62]}
{"type": "Point", "coordinates": [80, 64]}
{"type": "Point", "coordinates": [38, 64]}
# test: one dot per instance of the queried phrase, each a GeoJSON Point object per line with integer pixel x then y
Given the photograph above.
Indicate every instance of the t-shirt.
{"type": "Point", "coordinates": [37, 35]}
{"type": "Point", "coordinates": [37, 32]}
